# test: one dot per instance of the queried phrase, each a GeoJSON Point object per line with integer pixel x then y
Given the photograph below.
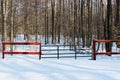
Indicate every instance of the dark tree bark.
{"type": "Point", "coordinates": [89, 37]}
{"type": "Point", "coordinates": [82, 22]}
{"type": "Point", "coordinates": [59, 24]}
{"type": "Point", "coordinates": [36, 26]}
{"type": "Point", "coordinates": [53, 27]}
{"type": "Point", "coordinates": [109, 25]}
{"type": "Point", "coordinates": [46, 21]}
{"type": "Point", "coordinates": [2, 14]}
{"type": "Point", "coordinates": [75, 21]}
{"type": "Point", "coordinates": [117, 21]}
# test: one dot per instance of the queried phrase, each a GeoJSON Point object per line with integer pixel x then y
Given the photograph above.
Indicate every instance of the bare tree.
{"type": "Point", "coordinates": [117, 20]}
{"type": "Point", "coordinates": [46, 21]}
{"type": "Point", "coordinates": [60, 20]}
{"type": "Point", "coordinates": [2, 14]}
{"type": "Point", "coordinates": [82, 22]}
{"type": "Point", "coordinates": [25, 19]}
{"type": "Point", "coordinates": [53, 26]}
{"type": "Point", "coordinates": [109, 25]}
{"type": "Point", "coordinates": [36, 26]}
{"type": "Point", "coordinates": [75, 20]}
{"type": "Point", "coordinates": [5, 11]}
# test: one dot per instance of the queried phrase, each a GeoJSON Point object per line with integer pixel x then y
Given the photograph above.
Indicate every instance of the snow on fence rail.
{"type": "Point", "coordinates": [114, 50]}
{"type": "Point", "coordinates": [4, 51]}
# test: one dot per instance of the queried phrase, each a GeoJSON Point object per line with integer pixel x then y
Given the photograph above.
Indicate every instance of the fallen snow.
{"type": "Point", "coordinates": [28, 67]}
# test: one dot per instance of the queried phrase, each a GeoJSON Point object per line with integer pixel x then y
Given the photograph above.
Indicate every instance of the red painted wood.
{"type": "Point", "coordinates": [20, 43]}
{"type": "Point", "coordinates": [22, 53]}
{"type": "Point", "coordinates": [102, 53]}
{"type": "Point", "coordinates": [94, 50]}
{"type": "Point", "coordinates": [106, 53]}
{"type": "Point", "coordinates": [106, 40]}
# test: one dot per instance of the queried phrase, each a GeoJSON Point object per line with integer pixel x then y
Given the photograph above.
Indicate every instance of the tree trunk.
{"type": "Point", "coordinates": [53, 27]}
{"type": "Point", "coordinates": [36, 26]}
{"type": "Point", "coordinates": [59, 23]}
{"type": "Point", "coordinates": [25, 20]}
{"type": "Point", "coordinates": [4, 4]}
{"type": "Point", "coordinates": [75, 20]}
{"type": "Point", "coordinates": [109, 25]}
{"type": "Point", "coordinates": [82, 23]}
{"type": "Point", "coordinates": [12, 25]}
{"type": "Point", "coordinates": [46, 22]}
{"type": "Point", "coordinates": [2, 14]}
{"type": "Point", "coordinates": [89, 24]}
{"type": "Point", "coordinates": [117, 21]}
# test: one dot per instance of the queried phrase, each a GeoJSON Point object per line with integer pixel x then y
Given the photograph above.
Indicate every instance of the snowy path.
{"type": "Point", "coordinates": [25, 67]}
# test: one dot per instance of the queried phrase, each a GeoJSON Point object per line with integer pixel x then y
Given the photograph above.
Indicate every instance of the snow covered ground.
{"type": "Point", "coordinates": [28, 67]}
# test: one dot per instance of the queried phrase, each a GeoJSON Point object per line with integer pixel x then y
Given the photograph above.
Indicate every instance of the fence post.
{"type": "Point", "coordinates": [58, 52]}
{"type": "Point", "coordinates": [3, 48]}
{"type": "Point", "coordinates": [75, 51]}
{"type": "Point", "coordinates": [40, 52]}
{"type": "Point", "coordinates": [94, 50]}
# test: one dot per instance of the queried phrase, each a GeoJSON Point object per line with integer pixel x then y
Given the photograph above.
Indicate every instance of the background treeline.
{"type": "Point", "coordinates": [75, 21]}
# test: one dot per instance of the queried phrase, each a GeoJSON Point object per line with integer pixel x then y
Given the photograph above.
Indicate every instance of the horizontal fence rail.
{"type": "Point", "coordinates": [96, 44]}
{"type": "Point", "coordinates": [62, 51]}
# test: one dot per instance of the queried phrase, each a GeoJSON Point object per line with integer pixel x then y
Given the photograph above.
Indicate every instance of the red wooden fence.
{"type": "Point", "coordinates": [20, 52]}
{"type": "Point", "coordinates": [103, 53]}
